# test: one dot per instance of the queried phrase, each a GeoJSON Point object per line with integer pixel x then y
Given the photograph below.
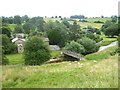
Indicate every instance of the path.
{"type": "Point", "coordinates": [110, 45]}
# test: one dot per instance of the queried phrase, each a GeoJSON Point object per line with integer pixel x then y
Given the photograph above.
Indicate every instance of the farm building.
{"type": "Point", "coordinates": [19, 42]}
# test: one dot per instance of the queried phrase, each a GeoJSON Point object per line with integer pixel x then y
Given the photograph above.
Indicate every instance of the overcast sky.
{"type": "Point", "coordinates": [65, 8]}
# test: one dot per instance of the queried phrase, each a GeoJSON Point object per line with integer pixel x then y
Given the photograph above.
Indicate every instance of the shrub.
{"type": "Point", "coordinates": [89, 45]}
{"type": "Point", "coordinates": [35, 51]}
{"type": "Point", "coordinates": [75, 47]}
{"type": "Point", "coordinates": [4, 60]}
{"type": "Point", "coordinates": [7, 45]}
{"type": "Point", "coordinates": [96, 37]}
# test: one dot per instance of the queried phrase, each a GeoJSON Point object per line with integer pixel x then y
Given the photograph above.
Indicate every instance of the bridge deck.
{"type": "Point", "coordinates": [72, 54]}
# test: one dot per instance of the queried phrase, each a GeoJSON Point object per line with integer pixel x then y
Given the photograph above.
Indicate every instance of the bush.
{"type": "Point", "coordinates": [96, 37]}
{"type": "Point", "coordinates": [4, 60]}
{"type": "Point", "coordinates": [89, 45]}
{"type": "Point", "coordinates": [7, 45]}
{"type": "Point", "coordinates": [75, 47]}
{"type": "Point", "coordinates": [35, 51]}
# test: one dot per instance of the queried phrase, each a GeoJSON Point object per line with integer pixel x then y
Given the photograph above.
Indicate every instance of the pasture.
{"type": "Point", "coordinates": [102, 73]}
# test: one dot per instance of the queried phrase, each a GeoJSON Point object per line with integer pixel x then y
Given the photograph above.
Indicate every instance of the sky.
{"type": "Point", "coordinates": [64, 8]}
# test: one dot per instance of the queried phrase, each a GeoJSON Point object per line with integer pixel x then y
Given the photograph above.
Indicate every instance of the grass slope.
{"type": "Point", "coordinates": [101, 55]}
{"type": "Point", "coordinates": [83, 74]}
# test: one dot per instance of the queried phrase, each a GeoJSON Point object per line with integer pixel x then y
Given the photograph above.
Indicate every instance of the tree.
{"type": "Point", "coordinates": [27, 27]}
{"type": "Point", "coordinates": [75, 31]}
{"type": "Point", "coordinates": [75, 47]}
{"type": "Point", "coordinates": [54, 37]}
{"type": "Point", "coordinates": [88, 44]}
{"type": "Point", "coordinates": [114, 19]}
{"type": "Point", "coordinates": [57, 33]}
{"type": "Point", "coordinates": [37, 23]}
{"type": "Point", "coordinates": [78, 16]}
{"type": "Point", "coordinates": [25, 18]}
{"type": "Point", "coordinates": [17, 19]}
{"type": "Point", "coordinates": [112, 30]}
{"type": "Point", "coordinates": [6, 30]}
{"type": "Point", "coordinates": [18, 29]}
{"type": "Point", "coordinates": [66, 23]}
{"type": "Point", "coordinates": [4, 60]}
{"type": "Point", "coordinates": [7, 45]}
{"type": "Point", "coordinates": [35, 51]}
{"type": "Point", "coordinates": [94, 37]}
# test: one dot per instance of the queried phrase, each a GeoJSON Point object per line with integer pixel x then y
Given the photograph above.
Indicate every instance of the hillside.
{"type": "Point", "coordinates": [102, 73]}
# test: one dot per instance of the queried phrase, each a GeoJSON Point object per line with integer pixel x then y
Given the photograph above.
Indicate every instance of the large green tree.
{"type": "Point", "coordinates": [57, 33]}
{"type": "Point", "coordinates": [19, 29]}
{"type": "Point", "coordinates": [6, 30]}
{"type": "Point", "coordinates": [35, 51]}
{"type": "Point", "coordinates": [112, 30]}
{"type": "Point", "coordinates": [17, 19]}
{"type": "Point", "coordinates": [75, 31]}
{"type": "Point", "coordinates": [7, 45]}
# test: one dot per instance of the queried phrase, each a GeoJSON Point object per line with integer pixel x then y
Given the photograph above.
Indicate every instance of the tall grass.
{"type": "Point", "coordinates": [85, 74]}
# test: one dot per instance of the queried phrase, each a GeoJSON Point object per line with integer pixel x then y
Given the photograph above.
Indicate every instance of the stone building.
{"type": "Point", "coordinates": [19, 42]}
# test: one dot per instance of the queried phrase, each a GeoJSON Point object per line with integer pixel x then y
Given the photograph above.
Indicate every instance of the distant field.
{"type": "Point", "coordinates": [83, 24]}
{"type": "Point", "coordinates": [97, 19]}
{"type": "Point", "coordinates": [53, 19]}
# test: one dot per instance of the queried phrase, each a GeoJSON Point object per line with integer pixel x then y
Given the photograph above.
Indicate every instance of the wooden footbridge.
{"type": "Point", "coordinates": [72, 54]}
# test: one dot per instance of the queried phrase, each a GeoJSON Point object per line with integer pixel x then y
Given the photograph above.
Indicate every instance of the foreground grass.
{"type": "Point", "coordinates": [83, 74]}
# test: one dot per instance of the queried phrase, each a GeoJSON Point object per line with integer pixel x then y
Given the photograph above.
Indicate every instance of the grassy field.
{"type": "Point", "coordinates": [101, 55]}
{"type": "Point", "coordinates": [83, 74]}
{"type": "Point", "coordinates": [106, 41]}
{"type": "Point", "coordinates": [85, 24]}
{"type": "Point", "coordinates": [12, 26]}
{"type": "Point", "coordinates": [15, 59]}
{"type": "Point", "coordinates": [19, 58]}
{"type": "Point", "coordinates": [97, 19]}
{"type": "Point", "coordinates": [82, 24]}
